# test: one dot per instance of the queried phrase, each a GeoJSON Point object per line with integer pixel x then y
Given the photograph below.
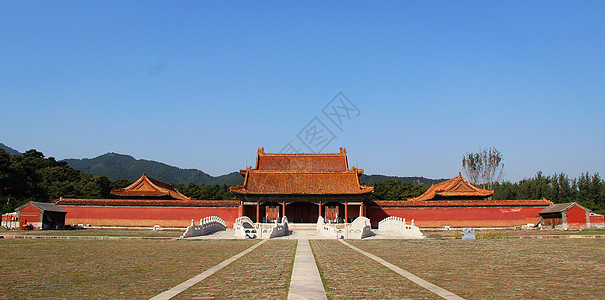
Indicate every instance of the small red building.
{"type": "Point", "coordinates": [569, 215]}
{"type": "Point", "coordinates": [41, 215]}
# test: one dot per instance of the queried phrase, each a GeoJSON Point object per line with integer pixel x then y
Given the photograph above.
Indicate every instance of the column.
{"type": "Point", "coordinates": [283, 212]}
{"type": "Point", "coordinates": [362, 210]}
{"type": "Point", "coordinates": [257, 212]}
{"type": "Point", "coordinates": [346, 211]}
{"type": "Point", "coordinates": [320, 212]}
{"type": "Point", "coordinates": [240, 212]}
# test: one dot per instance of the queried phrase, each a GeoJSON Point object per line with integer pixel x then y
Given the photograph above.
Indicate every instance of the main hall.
{"type": "Point", "coordinates": [302, 187]}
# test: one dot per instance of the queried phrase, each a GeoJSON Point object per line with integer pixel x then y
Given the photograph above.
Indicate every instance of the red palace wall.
{"type": "Point", "coordinates": [458, 216]}
{"type": "Point", "coordinates": [145, 216]}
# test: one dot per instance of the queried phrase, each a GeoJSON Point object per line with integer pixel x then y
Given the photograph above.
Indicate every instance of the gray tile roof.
{"type": "Point", "coordinates": [43, 206]}
{"type": "Point", "coordinates": [561, 207]}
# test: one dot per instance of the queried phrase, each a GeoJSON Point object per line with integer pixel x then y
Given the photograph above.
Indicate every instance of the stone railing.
{"type": "Point", "coordinates": [277, 229]}
{"type": "Point", "coordinates": [207, 225]}
{"type": "Point", "coordinates": [398, 226]}
{"type": "Point", "coordinates": [358, 229]}
{"type": "Point", "coordinates": [245, 228]}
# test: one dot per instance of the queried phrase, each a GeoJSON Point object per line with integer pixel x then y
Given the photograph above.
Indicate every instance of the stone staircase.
{"type": "Point", "coordinates": [302, 226]}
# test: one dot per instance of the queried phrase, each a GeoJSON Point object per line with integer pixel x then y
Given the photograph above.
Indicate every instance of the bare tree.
{"type": "Point", "coordinates": [472, 164]}
{"type": "Point", "coordinates": [483, 168]}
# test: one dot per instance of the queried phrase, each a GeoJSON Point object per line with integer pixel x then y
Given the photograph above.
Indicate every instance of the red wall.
{"type": "Point", "coordinates": [29, 214]}
{"type": "Point", "coordinates": [459, 216]}
{"type": "Point", "coordinates": [145, 216]}
{"type": "Point", "coordinates": [597, 219]}
{"type": "Point", "coordinates": [576, 215]}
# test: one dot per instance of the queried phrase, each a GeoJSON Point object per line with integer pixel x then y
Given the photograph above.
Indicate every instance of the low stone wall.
{"type": "Point", "coordinates": [207, 225]}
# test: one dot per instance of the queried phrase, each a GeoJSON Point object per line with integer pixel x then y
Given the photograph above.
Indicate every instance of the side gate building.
{"type": "Point", "coordinates": [41, 215]}
{"type": "Point", "coordinates": [570, 215]}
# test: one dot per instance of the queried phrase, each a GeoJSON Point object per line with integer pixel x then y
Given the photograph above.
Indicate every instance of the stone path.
{"type": "Point", "coordinates": [423, 283]}
{"type": "Point", "coordinates": [192, 281]}
{"type": "Point", "coordinates": [306, 281]}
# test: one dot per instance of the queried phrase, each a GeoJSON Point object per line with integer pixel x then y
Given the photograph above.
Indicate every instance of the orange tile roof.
{"type": "Point", "coordinates": [149, 187]}
{"type": "Point", "coordinates": [314, 162]}
{"type": "Point", "coordinates": [455, 187]}
{"type": "Point", "coordinates": [148, 202]}
{"type": "Point", "coordinates": [301, 174]}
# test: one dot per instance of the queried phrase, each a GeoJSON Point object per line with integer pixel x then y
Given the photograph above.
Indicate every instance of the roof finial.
{"type": "Point", "coordinates": [144, 173]}
{"type": "Point", "coordinates": [459, 174]}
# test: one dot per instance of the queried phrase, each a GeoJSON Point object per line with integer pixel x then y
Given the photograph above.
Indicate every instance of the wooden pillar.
{"type": "Point", "coordinates": [362, 210]}
{"type": "Point", "coordinates": [257, 212]}
{"type": "Point", "coordinates": [346, 211]}
{"type": "Point", "coordinates": [283, 214]}
{"type": "Point", "coordinates": [320, 212]}
{"type": "Point", "coordinates": [240, 212]}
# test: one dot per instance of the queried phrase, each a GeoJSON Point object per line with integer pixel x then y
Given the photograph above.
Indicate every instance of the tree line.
{"type": "Point", "coordinates": [33, 177]}
{"type": "Point", "coordinates": [587, 189]}
{"type": "Point", "coordinates": [395, 190]}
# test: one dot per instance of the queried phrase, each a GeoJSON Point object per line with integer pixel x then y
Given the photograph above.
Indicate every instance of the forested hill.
{"type": "Point", "coordinates": [369, 179]}
{"type": "Point", "coordinates": [9, 150]}
{"type": "Point", "coordinates": [119, 166]}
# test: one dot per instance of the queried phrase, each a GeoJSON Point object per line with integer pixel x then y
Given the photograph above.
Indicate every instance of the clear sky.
{"type": "Point", "coordinates": [203, 84]}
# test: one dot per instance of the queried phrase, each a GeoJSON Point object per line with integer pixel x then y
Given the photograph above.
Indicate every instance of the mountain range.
{"type": "Point", "coordinates": [120, 166]}
{"type": "Point", "coordinates": [9, 150]}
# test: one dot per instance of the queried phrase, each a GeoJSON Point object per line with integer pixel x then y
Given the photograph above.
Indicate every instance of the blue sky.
{"type": "Point", "coordinates": [204, 84]}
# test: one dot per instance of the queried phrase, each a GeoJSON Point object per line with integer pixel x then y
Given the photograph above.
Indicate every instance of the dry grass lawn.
{"type": "Point", "coordinates": [263, 273]}
{"type": "Point", "coordinates": [348, 274]}
{"type": "Point", "coordinates": [104, 269]}
{"type": "Point", "coordinates": [98, 232]}
{"type": "Point", "coordinates": [502, 269]}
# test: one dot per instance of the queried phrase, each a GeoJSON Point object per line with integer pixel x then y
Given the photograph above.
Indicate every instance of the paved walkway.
{"type": "Point", "coordinates": [306, 281]}
{"type": "Point", "coordinates": [443, 293]}
{"type": "Point", "coordinates": [194, 280]}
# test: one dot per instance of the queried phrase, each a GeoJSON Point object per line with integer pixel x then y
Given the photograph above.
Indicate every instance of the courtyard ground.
{"type": "Point", "coordinates": [140, 269]}
{"type": "Point", "coordinates": [502, 268]}
{"type": "Point", "coordinates": [104, 269]}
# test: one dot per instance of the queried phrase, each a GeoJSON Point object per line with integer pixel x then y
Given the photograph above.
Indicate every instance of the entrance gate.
{"type": "Point", "coordinates": [272, 213]}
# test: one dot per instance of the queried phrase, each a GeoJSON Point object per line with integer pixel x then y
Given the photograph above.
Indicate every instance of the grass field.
{"type": "Point", "coordinates": [140, 269]}
{"type": "Point", "coordinates": [109, 269]}
{"type": "Point", "coordinates": [508, 233]}
{"type": "Point", "coordinates": [503, 268]}
{"type": "Point", "coordinates": [348, 274]}
{"type": "Point", "coordinates": [97, 232]}
{"type": "Point", "coordinates": [263, 273]}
